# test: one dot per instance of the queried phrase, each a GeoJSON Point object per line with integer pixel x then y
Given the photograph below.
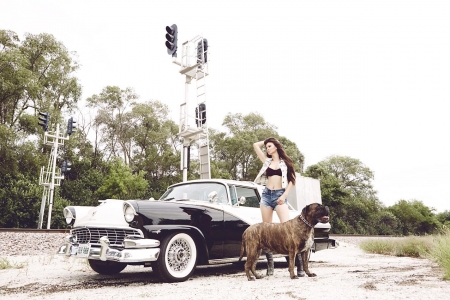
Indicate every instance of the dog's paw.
{"type": "Point", "coordinates": [251, 278]}
{"type": "Point", "coordinates": [312, 275]}
{"type": "Point", "coordinates": [294, 277]}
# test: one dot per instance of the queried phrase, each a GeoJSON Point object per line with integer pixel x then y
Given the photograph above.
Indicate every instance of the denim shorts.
{"type": "Point", "coordinates": [269, 197]}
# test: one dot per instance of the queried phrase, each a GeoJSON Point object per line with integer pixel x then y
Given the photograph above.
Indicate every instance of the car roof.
{"type": "Point", "coordinates": [222, 181]}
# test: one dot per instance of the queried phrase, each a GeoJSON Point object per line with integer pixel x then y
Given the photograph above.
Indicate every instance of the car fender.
{"type": "Point", "coordinates": [159, 232]}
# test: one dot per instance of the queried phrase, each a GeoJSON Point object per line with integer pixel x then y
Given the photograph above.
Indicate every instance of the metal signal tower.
{"type": "Point", "coordinates": [52, 175]}
{"type": "Point", "coordinates": [193, 126]}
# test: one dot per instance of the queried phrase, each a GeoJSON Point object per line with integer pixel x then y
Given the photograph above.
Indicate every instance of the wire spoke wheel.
{"type": "Point", "coordinates": [177, 258]}
{"type": "Point", "coordinates": [179, 255]}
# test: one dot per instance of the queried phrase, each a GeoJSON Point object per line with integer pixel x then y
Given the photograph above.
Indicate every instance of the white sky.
{"type": "Point", "coordinates": [365, 79]}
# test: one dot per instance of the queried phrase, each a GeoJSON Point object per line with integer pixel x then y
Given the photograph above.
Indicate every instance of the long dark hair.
{"type": "Point", "coordinates": [282, 154]}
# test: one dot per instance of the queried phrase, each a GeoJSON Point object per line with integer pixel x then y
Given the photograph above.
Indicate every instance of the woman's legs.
{"type": "Point", "coordinates": [282, 212]}
{"type": "Point", "coordinates": [266, 213]}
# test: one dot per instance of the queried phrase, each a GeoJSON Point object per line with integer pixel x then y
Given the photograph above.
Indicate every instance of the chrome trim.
{"type": "Point", "coordinates": [92, 235]}
{"type": "Point", "coordinates": [142, 250]}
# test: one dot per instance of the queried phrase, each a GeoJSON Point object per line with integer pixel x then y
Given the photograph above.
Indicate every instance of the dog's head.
{"type": "Point", "coordinates": [316, 213]}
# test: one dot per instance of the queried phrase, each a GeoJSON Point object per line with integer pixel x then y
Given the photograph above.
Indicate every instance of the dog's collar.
{"type": "Point", "coordinates": [306, 222]}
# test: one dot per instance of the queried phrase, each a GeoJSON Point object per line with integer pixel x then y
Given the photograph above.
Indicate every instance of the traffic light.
{"type": "Point", "coordinates": [172, 40]}
{"type": "Point", "coordinates": [203, 49]}
{"type": "Point", "coordinates": [71, 127]}
{"type": "Point", "coordinates": [65, 167]}
{"type": "Point", "coordinates": [43, 120]}
{"type": "Point", "coordinates": [200, 114]}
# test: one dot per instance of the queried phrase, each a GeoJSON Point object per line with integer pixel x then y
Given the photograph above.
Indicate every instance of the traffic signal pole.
{"type": "Point", "coordinates": [52, 184]}
{"type": "Point", "coordinates": [194, 66]}
{"type": "Point", "coordinates": [51, 176]}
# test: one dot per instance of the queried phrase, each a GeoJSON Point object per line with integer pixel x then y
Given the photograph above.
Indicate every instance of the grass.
{"type": "Point", "coordinates": [6, 264]}
{"type": "Point", "coordinates": [435, 248]}
{"type": "Point", "coordinates": [441, 253]}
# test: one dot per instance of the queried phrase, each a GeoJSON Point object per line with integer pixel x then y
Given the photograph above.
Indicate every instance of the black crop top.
{"type": "Point", "coordinates": [271, 172]}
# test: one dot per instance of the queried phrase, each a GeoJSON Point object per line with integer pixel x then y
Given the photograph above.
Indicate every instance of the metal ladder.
{"type": "Point", "coordinates": [203, 141]}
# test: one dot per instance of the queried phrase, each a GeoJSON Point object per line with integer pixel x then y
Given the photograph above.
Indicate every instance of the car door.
{"type": "Point", "coordinates": [238, 217]}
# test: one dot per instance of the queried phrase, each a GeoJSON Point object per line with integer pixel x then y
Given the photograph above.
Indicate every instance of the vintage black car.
{"type": "Point", "coordinates": [194, 223]}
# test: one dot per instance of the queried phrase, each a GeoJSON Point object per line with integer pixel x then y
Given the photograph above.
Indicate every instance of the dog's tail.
{"type": "Point", "coordinates": [242, 247]}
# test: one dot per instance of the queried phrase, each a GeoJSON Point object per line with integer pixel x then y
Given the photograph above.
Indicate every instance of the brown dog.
{"type": "Point", "coordinates": [291, 237]}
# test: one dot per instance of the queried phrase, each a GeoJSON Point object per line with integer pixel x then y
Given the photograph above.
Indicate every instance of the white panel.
{"type": "Point", "coordinates": [305, 191]}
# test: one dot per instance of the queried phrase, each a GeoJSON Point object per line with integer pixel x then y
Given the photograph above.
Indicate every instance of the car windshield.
{"type": "Point", "coordinates": [196, 191]}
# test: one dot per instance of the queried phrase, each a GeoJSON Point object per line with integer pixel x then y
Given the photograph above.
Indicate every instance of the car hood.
{"type": "Point", "coordinates": [108, 214]}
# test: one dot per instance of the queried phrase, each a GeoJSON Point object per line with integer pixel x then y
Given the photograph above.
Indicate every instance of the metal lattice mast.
{"type": "Point", "coordinates": [51, 176]}
{"type": "Point", "coordinates": [193, 126]}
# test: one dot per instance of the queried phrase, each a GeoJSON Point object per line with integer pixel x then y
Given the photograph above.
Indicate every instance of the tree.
{"type": "Point", "coordinates": [444, 218]}
{"type": "Point", "coordinates": [120, 183]}
{"type": "Point", "coordinates": [232, 152]}
{"type": "Point", "coordinates": [156, 146]}
{"type": "Point", "coordinates": [346, 188]}
{"type": "Point", "coordinates": [112, 121]}
{"type": "Point", "coordinates": [352, 174]}
{"type": "Point", "coordinates": [35, 74]}
{"type": "Point", "coordinates": [414, 217]}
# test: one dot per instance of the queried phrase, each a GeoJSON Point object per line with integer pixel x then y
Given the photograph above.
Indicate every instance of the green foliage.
{"type": "Point", "coordinates": [387, 223]}
{"type": "Point", "coordinates": [232, 153]}
{"type": "Point", "coordinates": [120, 183]}
{"type": "Point", "coordinates": [36, 73]}
{"type": "Point", "coordinates": [440, 253]}
{"type": "Point", "coordinates": [414, 217]}
{"type": "Point", "coordinates": [444, 218]}
{"type": "Point", "coordinates": [346, 188]}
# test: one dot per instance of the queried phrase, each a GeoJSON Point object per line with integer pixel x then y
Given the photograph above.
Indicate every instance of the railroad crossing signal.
{"type": "Point", "coordinates": [200, 114]}
{"type": "Point", "coordinates": [71, 127]}
{"type": "Point", "coordinates": [43, 120]}
{"type": "Point", "coordinates": [172, 40]}
{"type": "Point", "coordinates": [65, 166]}
{"type": "Point", "coordinates": [202, 50]}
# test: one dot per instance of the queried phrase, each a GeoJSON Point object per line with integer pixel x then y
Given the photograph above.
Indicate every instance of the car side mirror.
{"type": "Point", "coordinates": [213, 197]}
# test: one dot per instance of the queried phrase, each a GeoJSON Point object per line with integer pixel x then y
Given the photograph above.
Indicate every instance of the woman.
{"type": "Point", "coordinates": [280, 173]}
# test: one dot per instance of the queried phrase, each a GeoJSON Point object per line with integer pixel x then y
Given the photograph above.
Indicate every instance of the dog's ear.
{"type": "Point", "coordinates": [305, 209]}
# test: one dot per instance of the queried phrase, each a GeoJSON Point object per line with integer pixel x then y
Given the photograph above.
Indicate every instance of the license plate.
{"type": "Point", "coordinates": [83, 250]}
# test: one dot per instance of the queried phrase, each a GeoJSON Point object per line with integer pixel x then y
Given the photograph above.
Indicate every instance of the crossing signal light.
{"type": "Point", "coordinates": [65, 167]}
{"type": "Point", "coordinates": [202, 50]}
{"type": "Point", "coordinates": [71, 127]}
{"type": "Point", "coordinates": [43, 120]}
{"type": "Point", "coordinates": [172, 40]}
{"type": "Point", "coordinates": [200, 114]}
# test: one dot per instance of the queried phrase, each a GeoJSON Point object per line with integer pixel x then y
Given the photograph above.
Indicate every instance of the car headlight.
{"type": "Point", "coordinates": [128, 212]}
{"type": "Point", "coordinates": [69, 215]}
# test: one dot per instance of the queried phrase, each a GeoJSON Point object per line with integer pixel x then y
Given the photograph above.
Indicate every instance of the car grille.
{"type": "Point", "coordinates": [92, 235]}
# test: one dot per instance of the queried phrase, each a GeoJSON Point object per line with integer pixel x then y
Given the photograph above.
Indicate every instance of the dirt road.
{"type": "Point", "coordinates": [342, 273]}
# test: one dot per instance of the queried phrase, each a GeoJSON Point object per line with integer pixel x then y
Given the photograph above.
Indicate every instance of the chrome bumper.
{"type": "Point", "coordinates": [324, 243]}
{"type": "Point", "coordinates": [135, 250]}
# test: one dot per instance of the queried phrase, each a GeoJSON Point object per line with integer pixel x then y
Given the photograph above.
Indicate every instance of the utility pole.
{"type": "Point", "coordinates": [193, 128]}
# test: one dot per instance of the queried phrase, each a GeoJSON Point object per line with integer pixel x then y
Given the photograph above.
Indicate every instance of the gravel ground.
{"type": "Point", "coordinates": [342, 273]}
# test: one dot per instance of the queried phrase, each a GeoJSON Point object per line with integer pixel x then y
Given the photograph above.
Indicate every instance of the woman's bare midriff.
{"type": "Point", "coordinates": [274, 183]}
